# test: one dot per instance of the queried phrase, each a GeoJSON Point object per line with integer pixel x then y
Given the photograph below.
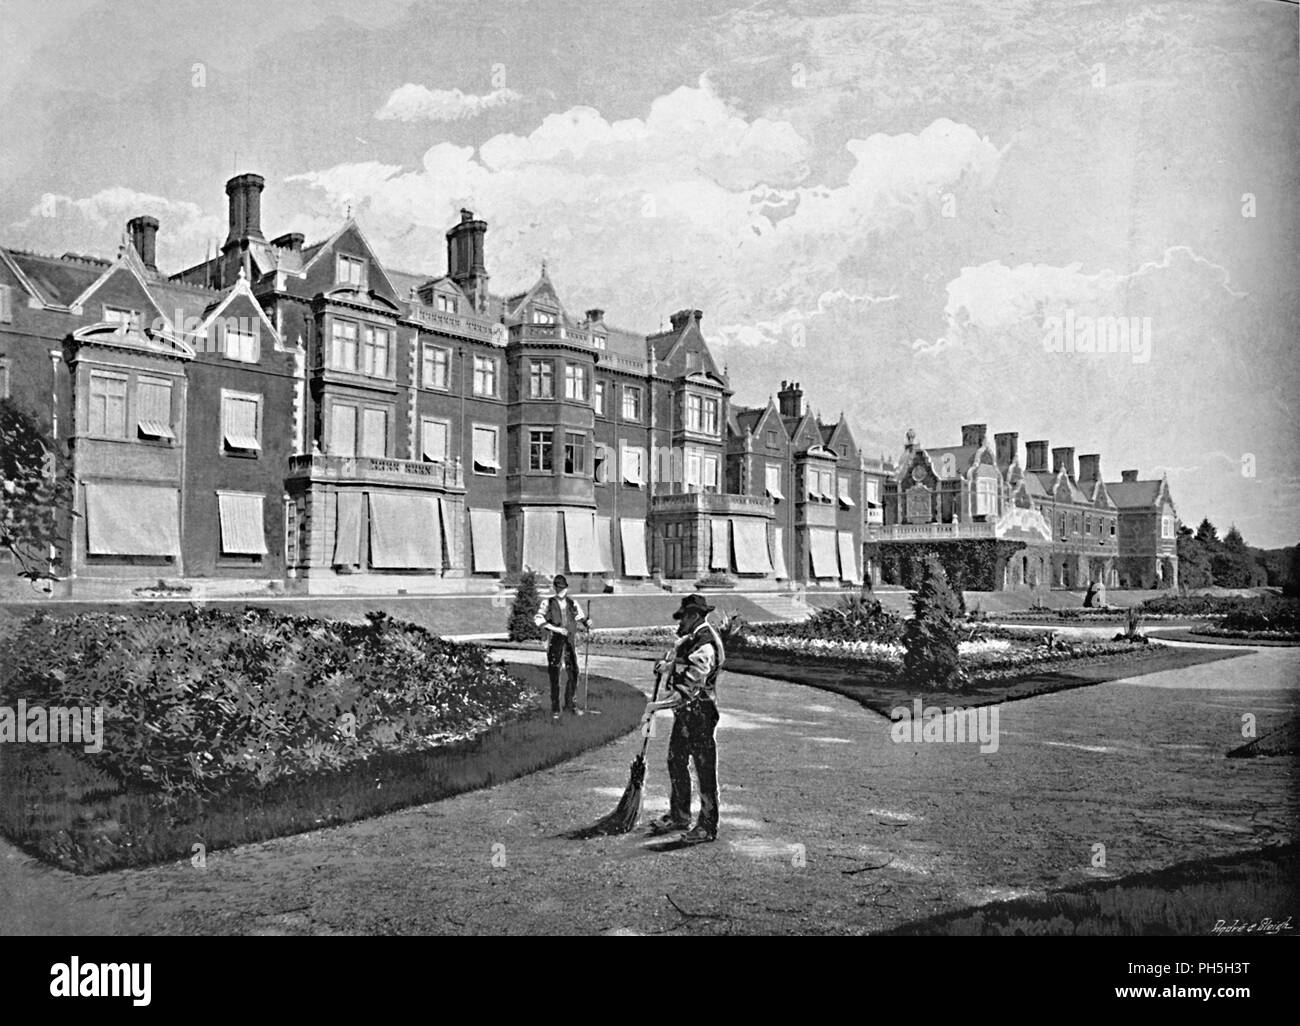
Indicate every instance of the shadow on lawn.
{"type": "Point", "coordinates": [63, 812]}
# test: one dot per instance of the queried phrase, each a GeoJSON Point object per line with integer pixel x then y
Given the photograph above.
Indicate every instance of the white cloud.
{"type": "Point", "coordinates": [413, 102]}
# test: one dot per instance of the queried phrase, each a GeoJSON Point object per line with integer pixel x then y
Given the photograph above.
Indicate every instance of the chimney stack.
{"type": "Point", "coordinates": [1008, 447]}
{"type": "Point", "coordinates": [292, 241]}
{"type": "Point", "coordinates": [789, 401]}
{"type": "Point", "coordinates": [1063, 457]}
{"type": "Point", "coordinates": [679, 319]}
{"type": "Point", "coordinates": [974, 434]}
{"type": "Point", "coordinates": [245, 192]}
{"type": "Point", "coordinates": [1036, 457]}
{"type": "Point", "coordinates": [1090, 467]}
{"type": "Point", "coordinates": [466, 263]}
{"type": "Point", "coordinates": [1129, 476]}
{"type": "Point", "coordinates": [595, 316]}
{"type": "Point", "coordinates": [144, 232]}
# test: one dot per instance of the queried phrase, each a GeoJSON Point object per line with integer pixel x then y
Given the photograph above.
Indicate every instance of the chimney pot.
{"type": "Point", "coordinates": [1008, 447]}
{"type": "Point", "coordinates": [1036, 457]}
{"type": "Point", "coordinates": [1090, 467]}
{"type": "Point", "coordinates": [1063, 456]}
{"type": "Point", "coordinates": [974, 434]}
{"type": "Point", "coordinates": [143, 232]}
{"type": "Point", "coordinates": [595, 315]}
{"type": "Point", "coordinates": [291, 241]}
{"type": "Point", "coordinates": [245, 192]}
{"type": "Point", "coordinates": [1129, 476]}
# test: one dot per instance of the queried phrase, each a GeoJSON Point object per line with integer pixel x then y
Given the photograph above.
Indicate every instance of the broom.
{"type": "Point", "coordinates": [586, 661]}
{"type": "Point", "coordinates": [623, 819]}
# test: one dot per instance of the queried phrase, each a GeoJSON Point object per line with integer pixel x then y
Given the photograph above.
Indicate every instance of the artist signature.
{"type": "Point", "coordinates": [1266, 925]}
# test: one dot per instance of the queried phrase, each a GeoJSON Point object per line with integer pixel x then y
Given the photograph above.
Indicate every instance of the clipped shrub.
{"type": "Point", "coordinates": [931, 636]}
{"type": "Point", "coordinates": [715, 581]}
{"type": "Point", "coordinates": [852, 618]}
{"type": "Point", "coordinates": [520, 626]}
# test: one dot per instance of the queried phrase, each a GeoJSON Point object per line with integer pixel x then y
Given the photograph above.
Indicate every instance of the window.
{"type": "Point", "coordinates": [343, 429]}
{"type": "Point", "coordinates": [343, 354]}
{"type": "Point", "coordinates": [598, 397]}
{"type": "Point", "coordinates": [575, 453]}
{"type": "Point", "coordinates": [873, 489]}
{"type": "Point", "coordinates": [543, 317]}
{"type": "Point", "coordinates": [118, 315]}
{"type": "Point", "coordinates": [351, 271]}
{"type": "Point", "coordinates": [6, 304]}
{"type": "Point", "coordinates": [1062, 532]}
{"type": "Point", "coordinates": [631, 403]}
{"type": "Point", "coordinates": [1087, 525]}
{"type": "Point", "coordinates": [702, 414]}
{"type": "Point", "coordinates": [4, 379]}
{"type": "Point", "coordinates": [241, 345]}
{"type": "Point", "coordinates": [710, 416]}
{"type": "Point", "coordinates": [771, 439]}
{"type": "Point", "coordinates": [437, 367]}
{"type": "Point", "coordinates": [692, 471]}
{"type": "Point", "coordinates": [446, 304]}
{"type": "Point", "coordinates": [598, 341]}
{"type": "Point", "coordinates": [541, 379]}
{"type": "Point", "coordinates": [600, 464]}
{"type": "Point", "coordinates": [772, 481]}
{"type": "Point", "coordinates": [1112, 529]}
{"type": "Point", "coordinates": [107, 409]}
{"type": "Point", "coordinates": [826, 479]}
{"type": "Point", "coordinates": [376, 352]}
{"type": "Point", "coordinates": [485, 376]}
{"type": "Point", "coordinates": [241, 423]}
{"type": "Point", "coordinates": [709, 474]}
{"type": "Point", "coordinates": [1166, 527]}
{"type": "Point", "coordinates": [434, 437]}
{"type": "Point", "coordinates": [694, 414]}
{"type": "Point", "coordinates": [486, 460]}
{"type": "Point", "coordinates": [540, 455]}
{"type": "Point", "coordinates": [919, 504]}
{"type": "Point", "coordinates": [986, 500]}
{"type": "Point", "coordinates": [633, 466]}
{"type": "Point", "coordinates": [154, 408]}
{"type": "Point", "coordinates": [374, 433]}
{"type": "Point", "coordinates": [845, 498]}
{"type": "Point", "coordinates": [575, 381]}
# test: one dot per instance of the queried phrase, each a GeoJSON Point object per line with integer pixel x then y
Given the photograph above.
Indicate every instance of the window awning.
{"type": "Point", "coordinates": [541, 541]}
{"type": "Point", "coordinates": [446, 535]}
{"type": "Point", "coordinates": [774, 491]}
{"type": "Point", "coordinates": [347, 531]}
{"type": "Point", "coordinates": [844, 498]}
{"type": "Point", "coordinates": [132, 520]}
{"type": "Point", "coordinates": [156, 429]}
{"type": "Point", "coordinates": [491, 462]}
{"type": "Point", "coordinates": [632, 534]}
{"type": "Point", "coordinates": [848, 558]}
{"type": "Point", "coordinates": [721, 557]}
{"type": "Point", "coordinates": [234, 440]}
{"type": "Point", "coordinates": [604, 544]}
{"type": "Point", "coordinates": [778, 554]}
{"type": "Point", "coordinates": [749, 536]}
{"type": "Point", "coordinates": [814, 491]}
{"type": "Point", "coordinates": [632, 468]}
{"type": "Point", "coordinates": [485, 537]}
{"type": "Point", "coordinates": [821, 544]}
{"type": "Point", "coordinates": [242, 531]}
{"type": "Point", "coordinates": [405, 533]}
{"type": "Point", "coordinates": [580, 541]}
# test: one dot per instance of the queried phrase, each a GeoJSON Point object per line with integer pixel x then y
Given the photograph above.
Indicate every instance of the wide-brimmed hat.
{"type": "Point", "coordinates": [559, 581]}
{"type": "Point", "coordinates": [693, 604]}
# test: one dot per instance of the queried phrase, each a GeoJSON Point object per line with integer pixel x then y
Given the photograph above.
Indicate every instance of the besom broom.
{"type": "Point", "coordinates": [623, 819]}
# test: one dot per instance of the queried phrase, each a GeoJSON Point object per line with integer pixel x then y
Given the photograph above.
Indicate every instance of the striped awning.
{"type": "Point", "coordinates": [405, 533]}
{"type": "Point", "coordinates": [848, 558]}
{"type": "Point", "coordinates": [844, 495]}
{"type": "Point", "coordinates": [485, 538]}
{"type": "Point", "coordinates": [778, 554]}
{"type": "Point", "coordinates": [242, 530]}
{"type": "Point", "coordinates": [541, 541]}
{"type": "Point", "coordinates": [749, 536]}
{"type": "Point", "coordinates": [721, 557]}
{"type": "Point", "coordinates": [632, 534]}
{"type": "Point", "coordinates": [132, 520]}
{"type": "Point", "coordinates": [604, 544]}
{"type": "Point", "coordinates": [580, 541]}
{"type": "Point", "coordinates": [156, 429]}
{"type": "Point", "coordinates": [821, 544]}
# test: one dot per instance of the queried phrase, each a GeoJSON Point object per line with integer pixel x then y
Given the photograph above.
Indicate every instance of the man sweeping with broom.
{"type": "Point", "coordinates": [694, 665]}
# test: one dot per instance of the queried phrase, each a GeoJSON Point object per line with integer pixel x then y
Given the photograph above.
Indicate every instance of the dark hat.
{"type": "Point", "coordinates": [693, 604]}
{"type": "Point", "coordinates": [560, 581]}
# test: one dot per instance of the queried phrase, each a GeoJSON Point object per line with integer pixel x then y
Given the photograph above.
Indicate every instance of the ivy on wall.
{"type": "Point", "coordinates": [972, 564]}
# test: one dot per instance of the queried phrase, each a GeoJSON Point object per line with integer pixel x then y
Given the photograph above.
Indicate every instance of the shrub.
{"type": "Point", "coordinates": [715, 581]}
{"type": "Point", "coordinates": [1132, 628]}
{"type": "Point", "coordinates": [521, 626]}
{"type": "Point", "coordinates": [853, 618]}
{"type": "Point", "coordinates": [931, 636]}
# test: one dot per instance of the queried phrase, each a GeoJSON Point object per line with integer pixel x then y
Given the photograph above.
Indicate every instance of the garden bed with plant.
{"type": "Point", "coordinates": [221, 728]}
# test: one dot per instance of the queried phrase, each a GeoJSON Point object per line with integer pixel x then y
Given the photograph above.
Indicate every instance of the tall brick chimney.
{"type": "Point", "coordinates": [1008, 447]}
{"type": "Point", "coordinates": [1090, 467]}
{"type": "Point", "coordinates": [789, 401]}
{"type": "Point", "coordinates": [974, 434]}
{"type": "Point", "coordinates": [1036, 457]}
{"type": "Point", "coordinates": [245, 192]}
{"type": "Point", "coordinates": [144, 234]}
{"type": "Point", "coordinates": [1063, 457]}
{"type": "Point", "coordinates": [466, 262]}
{"type": "Point", "coordinates": [1129, 476]}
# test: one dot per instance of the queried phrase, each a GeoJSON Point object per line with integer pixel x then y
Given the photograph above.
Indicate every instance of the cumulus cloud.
{"type": "Point", "coordinates": [413, 102]}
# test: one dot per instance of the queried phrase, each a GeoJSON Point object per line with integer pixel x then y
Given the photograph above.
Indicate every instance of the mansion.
{"type": "Point", "coordinates": [302, 417]}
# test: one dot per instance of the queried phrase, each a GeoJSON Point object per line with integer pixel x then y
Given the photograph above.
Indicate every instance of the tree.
{"type": "Point", "coordinates": [1193, 559]}
{"type": "Point", "coordinates": [1206, 534]}
{"type": "Point", "coordinates": [1233, 565]}
{"type": "Point", "coordinates": [930, 638]}
{"type": "Point", "coordinates": [35, 494]}
{"type": "Point", "coordinates": [521, 626]}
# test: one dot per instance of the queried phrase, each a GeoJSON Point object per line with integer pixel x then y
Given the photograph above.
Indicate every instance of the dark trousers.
{"type": "Point", "coordinates": [560, 650]}
{"type": "Point", "coordinates": [692, 738]}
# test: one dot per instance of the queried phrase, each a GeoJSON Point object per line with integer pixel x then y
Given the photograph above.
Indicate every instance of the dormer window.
{"type": "Point", "coordinates": [446, 304]}
{"type": "Point", "coordinates": [351, 271]}
{"type": "Point", "coordinates": [119, 315]}
{"type": "Point", "coordinates": [598, 341]}
{"type": "Point", "coordinates": [241, 345]}
{"type": "Point", "coordinates": [544, 317]}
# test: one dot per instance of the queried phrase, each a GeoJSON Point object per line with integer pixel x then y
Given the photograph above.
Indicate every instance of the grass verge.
{"type": "Point", "coordinates": [65, 813]}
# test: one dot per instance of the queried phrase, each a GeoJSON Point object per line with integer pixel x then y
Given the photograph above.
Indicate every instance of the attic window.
{"type": "Point", "coordinates": [118, 315]}
{"type": "Point", "coordinates": [446, 304]}
{"type": "Point", "coordinates": [598, 341]}
{"type": "Point", "coordinates": [771, 439]}
{"type": "Point", "coordinates": [544, 317]}
{"type": "Point", "coordinates": [350, 271]}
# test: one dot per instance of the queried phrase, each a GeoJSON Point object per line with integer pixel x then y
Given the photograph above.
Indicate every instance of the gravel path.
{"type": "Point", "coordinates": [815, 796]}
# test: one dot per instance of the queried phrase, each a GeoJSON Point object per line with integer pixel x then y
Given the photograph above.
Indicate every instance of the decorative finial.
{"type": "Point", "coordinates": [349, 213]}
{"type": "Point", "coordinates": [242, 275]}
{"type": "Point", "coordinates": [911, 437]}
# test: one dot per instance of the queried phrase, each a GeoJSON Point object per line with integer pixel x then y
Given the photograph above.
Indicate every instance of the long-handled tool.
{"type": "Point", "coordinates": [623, 819]}
{"type": "Point", "coordinates": [586, 660]}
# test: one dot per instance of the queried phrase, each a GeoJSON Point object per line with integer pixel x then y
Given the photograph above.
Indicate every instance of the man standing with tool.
{"type": "Point", "coordinates": [559, 615]}
{"type": "Point", "coordinates": [695, 664]}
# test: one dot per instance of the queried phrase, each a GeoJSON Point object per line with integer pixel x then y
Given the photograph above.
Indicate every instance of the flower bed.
{"type": "Point", "coordinates": [1210, 631]}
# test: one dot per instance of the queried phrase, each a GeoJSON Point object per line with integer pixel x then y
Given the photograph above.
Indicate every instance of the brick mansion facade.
{"type": "Point", "coordinates": [301, 416]}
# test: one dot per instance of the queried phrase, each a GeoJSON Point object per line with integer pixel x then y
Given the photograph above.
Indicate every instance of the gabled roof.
{"type": "Point", "coordinates": [1137, 494]}
{"type": "Point", "coordinates": [129, 263]}
{"type": "Point", "coordinates": [542, 291]}
{"type": "Point", "coordinates": [240, 288]}
{"type": "Point", "coordinates": [962, 458]}
{"type": "Point", "coordinates": [57, 280]}
{"type": "Point", "coordinates": [311, 254]}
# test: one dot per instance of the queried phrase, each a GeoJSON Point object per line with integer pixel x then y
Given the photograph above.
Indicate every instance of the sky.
{"type": "Point", "coordinates": [906, 205]}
